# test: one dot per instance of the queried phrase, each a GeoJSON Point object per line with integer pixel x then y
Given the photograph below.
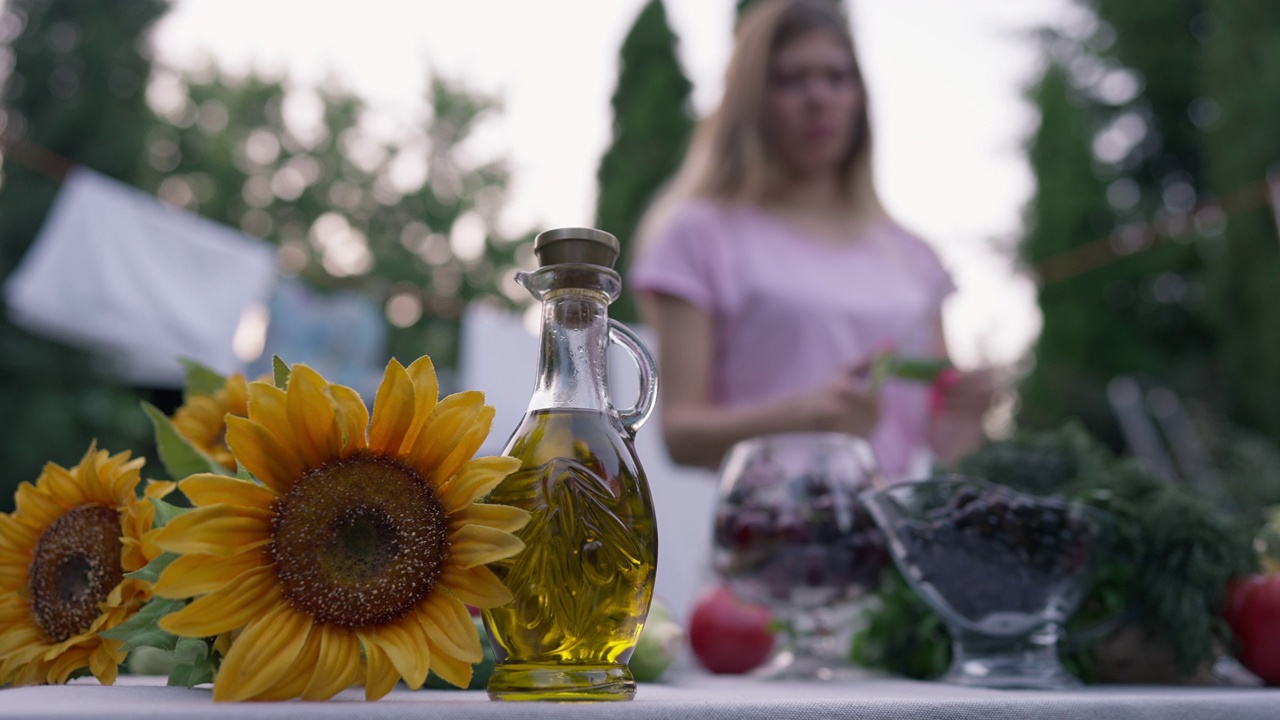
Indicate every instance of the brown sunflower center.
{"type": "Point", "coordinates": [75, 566]}
{"type": "Point", "coordinates": [359, 542]}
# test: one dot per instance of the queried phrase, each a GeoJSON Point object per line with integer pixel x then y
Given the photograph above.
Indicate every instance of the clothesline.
{"type": "Point", "coordinates": [1134, 238]}
{"type": "Point", "coordinates": [36, 158]}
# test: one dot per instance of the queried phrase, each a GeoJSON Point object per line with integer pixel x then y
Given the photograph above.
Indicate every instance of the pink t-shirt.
{"type": "Point", "coordinates": [791, 309]}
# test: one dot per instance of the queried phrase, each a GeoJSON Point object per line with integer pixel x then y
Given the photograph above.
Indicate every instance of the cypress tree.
{"type": "Point", "coordinates": [1068, 209]}
{"type": "Point", "coordinates": [652, 120]}
{"type": "Point", "coordinates": [1131, 303]}
{"type": "Point", "coordinates": [1240, 108]}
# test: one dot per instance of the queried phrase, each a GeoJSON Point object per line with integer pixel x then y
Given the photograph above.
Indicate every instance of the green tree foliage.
{"type": "Point", "coordinates": [76, 87]}
{"type": "Point", "coordinates": [652, 120]}
{"type": "Point", "coordinates": [1240, 70]}
{"type": "Point", "coordinates": [1069, 208]}
{"type": "Point", "coordinates": [338, 198]}
{"type": "Point", "coordinates": [1122, 159]}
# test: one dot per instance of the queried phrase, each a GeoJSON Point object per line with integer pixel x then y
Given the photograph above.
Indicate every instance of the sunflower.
{"type": "Point", "coordinates": [201, 419]}
{"type": "Point", "coordinates": [63, 555]}
{"type": "Point", "coordinates": [356, 556]}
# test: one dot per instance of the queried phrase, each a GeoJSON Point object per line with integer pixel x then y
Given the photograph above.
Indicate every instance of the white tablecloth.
{"type": "Point", "coordinates": [695, 696]}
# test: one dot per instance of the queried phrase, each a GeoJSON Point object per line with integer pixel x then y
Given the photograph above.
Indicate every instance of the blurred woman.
{"type": "Point", "coordinates": [773, 276]}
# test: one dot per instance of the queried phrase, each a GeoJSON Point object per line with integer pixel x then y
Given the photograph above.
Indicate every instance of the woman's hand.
{"type": "Point", "coordinates": [959, 402]}
{"type": "Point", "coordinates": [849, 403]}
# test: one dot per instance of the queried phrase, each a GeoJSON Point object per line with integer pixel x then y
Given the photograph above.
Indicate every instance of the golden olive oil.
{"type": "Point", "coordinates": [584, 581]}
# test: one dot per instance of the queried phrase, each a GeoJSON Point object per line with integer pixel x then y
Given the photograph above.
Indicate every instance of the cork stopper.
{"type": "Point", "coordinates": [576, 245]}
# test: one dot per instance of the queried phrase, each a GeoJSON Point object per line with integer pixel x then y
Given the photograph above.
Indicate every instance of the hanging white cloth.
{"type": "Point", "coordinates": [138, 282]}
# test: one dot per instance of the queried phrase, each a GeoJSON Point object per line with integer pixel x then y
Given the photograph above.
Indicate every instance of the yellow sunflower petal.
{"type": "Point", "coordinates": [479, 545]}
{"type": "Point", "coordinates": [392, 410]}
{"type": "Point", "coordinates": [261, 453]}
{"type": "Point", "coordinates": [403, 642]}
{"type": "Point", "coordinates": [119, 476]}
{"type": "Point", "coordinates": [159, 488]}
{"type": "Point", "coordinates": [58, 482]}
{"type": "Point", "coordinates": [338, 664]}
{"type": "Point", "coordinates": [192, 575]}
{"type": "Point", "coordinates": [380, 675]}
{"type": "Point", "coordinates": [268, 406]}
{"type": "Point", "coordinates": [14, 639]}
{"type": "Point", "coordinates": [300, 673]}
{"type": "Point", "coordinates": [104, 664]}
{"type": "Point", "coordinates": [60, 668]}
{"type": "Point", "coordinates": [466, 447]}
{"type": "Point", "coordinates": [426, 393]}
{"type": "Point", "coordinates": [262, 655]}
{"type": "Point", "coordinates": [498, 517]}
{"type": "Point", "coordinates": [352, 416]}
{"type": "Point", "coordinates": [210, 489]}
{"type": "Point", "coordinates": [449, 625]}
{"type": "Point", "coordinates": [222, 530]}
{"type": "Point", "coordinates": [38, 507]}
{"type": "Point", "coordinates": [222, 644]}
{"type": "Point", "coordinates": [447, 425]}
{"type": "Point", "coordinates": [78, 639]}
{"type": "Point", "coordinates": [450, 669]}
{"type": "Point", "coordinates": [475, 480]}
{"type": "Point", "coordinates": [312, 415]}
{"type": "Point", "coordinates": [15, 534]}
{"type": "Point", "coordinates": [86, 470]}
{"type": "Point", "coordinates": [476, 586]}
{"type": "Point", "coordinates": [12, 576]}
{"type": "Point", "coordinates": [226, 609]}
{"type": "Point", "coordinates": [237, 388]}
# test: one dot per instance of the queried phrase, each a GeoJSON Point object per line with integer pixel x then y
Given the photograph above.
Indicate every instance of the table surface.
{"type": "Point", "coordinates": [692, 695]}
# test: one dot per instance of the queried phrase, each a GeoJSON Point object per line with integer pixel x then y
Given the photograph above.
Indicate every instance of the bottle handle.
{"type": "Point", "coordinates": [633, 417]}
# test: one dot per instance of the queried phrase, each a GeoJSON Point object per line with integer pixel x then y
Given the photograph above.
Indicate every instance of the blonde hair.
{"type": "Point", "coordinates": [729, 159]}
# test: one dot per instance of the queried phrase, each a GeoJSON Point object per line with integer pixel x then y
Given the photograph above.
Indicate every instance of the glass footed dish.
{"type": "Point", "coordinates": [1005, 571]}
{"type": "Point", "coordinates": [792, 534]}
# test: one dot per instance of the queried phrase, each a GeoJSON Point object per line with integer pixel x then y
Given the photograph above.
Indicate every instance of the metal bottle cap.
{"type": "Point", "coordinates": [576, 245]}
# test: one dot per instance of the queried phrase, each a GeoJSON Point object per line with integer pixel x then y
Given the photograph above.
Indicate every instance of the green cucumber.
{"type": "Point", "coordinates": [919, 369]}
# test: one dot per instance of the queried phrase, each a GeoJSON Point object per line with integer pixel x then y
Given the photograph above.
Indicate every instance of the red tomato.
{"type": "Point", "coordinates": [728, 635]}
{"type": "Point", "coordinates": [942, 384]}
{"type": "Point", "coordinates": [1253, 611]}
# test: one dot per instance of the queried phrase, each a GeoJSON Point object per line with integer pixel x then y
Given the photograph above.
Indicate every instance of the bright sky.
{"type": "Point", "coordinates": [945, 80]}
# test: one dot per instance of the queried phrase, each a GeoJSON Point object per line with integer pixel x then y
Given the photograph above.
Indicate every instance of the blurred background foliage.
{"type": "Point", "coordinates": [408, 220]}
{"type": "Point", "coordinates": [1149, 229]}
{"type": "Point", "coordinates": [1150, 162]}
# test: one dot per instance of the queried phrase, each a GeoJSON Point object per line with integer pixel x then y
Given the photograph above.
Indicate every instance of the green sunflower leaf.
{"type": "Point", "coordinates": [180, 458]}
{"type": "Point", "coordinates": [151, 573]}
{"type": "Point", "coordinates": [196, 662]}
{"type": "Point", "coordinates": [143, 629]}
{"type": "Point", "coordinates": [166, 511]}
{"type": "Point", "coordinates": [200, 380]}
{"type": "Point", "coordinates": [281, 372]}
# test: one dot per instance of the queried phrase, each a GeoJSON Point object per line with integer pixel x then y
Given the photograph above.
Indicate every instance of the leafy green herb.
{"type": "Point", "coordinates": [903, 635]}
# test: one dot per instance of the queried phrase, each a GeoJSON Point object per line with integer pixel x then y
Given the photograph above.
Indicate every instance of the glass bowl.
{"type": "Point", "coordinates": [1005, 571]}
{"type": "Point", "coordinates": [792, 534]}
